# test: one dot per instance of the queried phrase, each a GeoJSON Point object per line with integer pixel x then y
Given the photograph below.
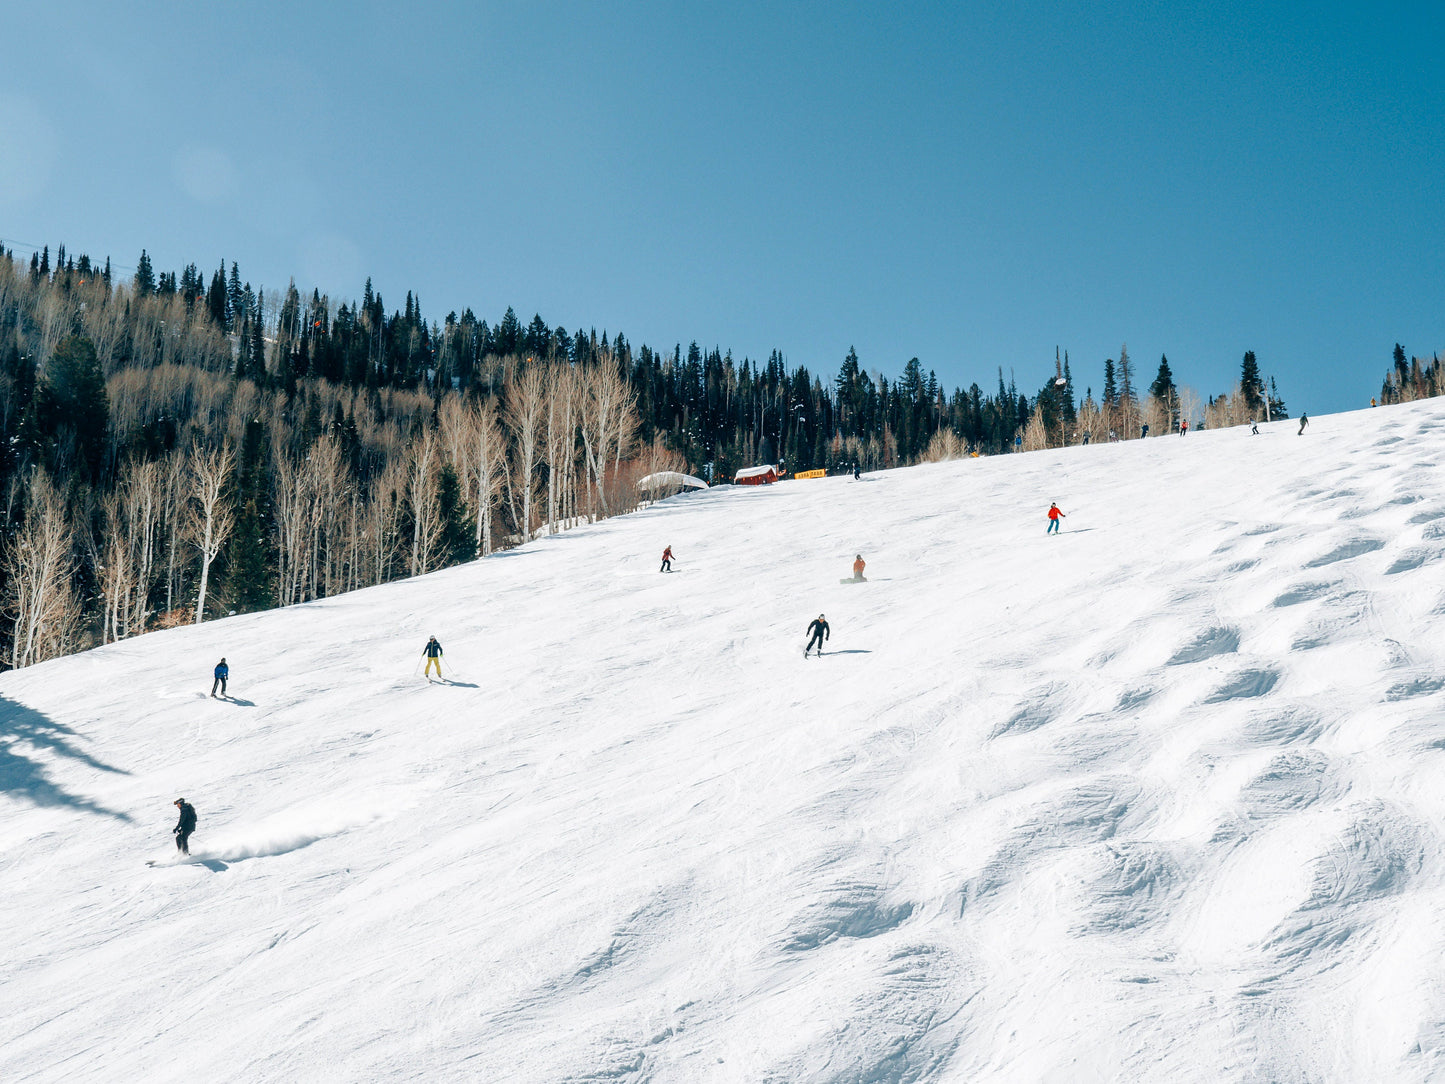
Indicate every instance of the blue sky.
{"type": "Point", "coordinates": [971, 183]}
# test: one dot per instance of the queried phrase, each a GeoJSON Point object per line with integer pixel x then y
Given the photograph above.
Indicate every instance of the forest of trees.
{"type": "Point", "coordinates": [177, 446]}
{"type": "Point", "coordinates": [1414, 379]}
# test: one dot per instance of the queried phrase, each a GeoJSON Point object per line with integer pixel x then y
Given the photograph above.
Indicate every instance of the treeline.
{"type": "Point", "coordinates": [1125, 411]}
{"type": "Point", "coordinates": [1414, 379]}
{"type": "Point", "coordinates": [180, 445]}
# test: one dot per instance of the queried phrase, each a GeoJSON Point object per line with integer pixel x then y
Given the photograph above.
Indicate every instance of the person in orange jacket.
{"type": "Point", "coordinates": [666, 560]}
{"type": "Point", "coordinates": [1054, 516]}
{"type": "Point", "coordinates": [858, 566]}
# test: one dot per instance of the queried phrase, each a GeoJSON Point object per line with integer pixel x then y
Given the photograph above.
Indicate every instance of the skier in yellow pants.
{"type": "Point", "coordinates": [433, 653]}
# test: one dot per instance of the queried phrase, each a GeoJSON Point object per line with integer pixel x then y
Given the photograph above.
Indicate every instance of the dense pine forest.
{"type": "Point", "coordinates": [178, 446]}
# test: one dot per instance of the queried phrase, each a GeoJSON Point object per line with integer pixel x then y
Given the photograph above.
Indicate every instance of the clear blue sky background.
{"type": "Point", "coordinates": [970, 183]}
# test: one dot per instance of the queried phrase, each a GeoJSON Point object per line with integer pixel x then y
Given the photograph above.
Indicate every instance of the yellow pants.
{"type": "Point", "coordinates": [430, 662]}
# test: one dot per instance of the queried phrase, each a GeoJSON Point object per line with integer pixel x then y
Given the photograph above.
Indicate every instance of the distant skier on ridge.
{"type": "Point", "coordinates": [433, 653]}
{"type": "Point", "coordinates": [185, 826]}
{"type": "Point", "coordinates": [1054, 516]}
{"type": "Point", "coordinates": [1304, 420]}
{"type": "Point", "coordinates": [817, 632]}
{"type": "Point", "coordinates": [666, 560]}
{"type": "Point", "coordinates": [222, 672]}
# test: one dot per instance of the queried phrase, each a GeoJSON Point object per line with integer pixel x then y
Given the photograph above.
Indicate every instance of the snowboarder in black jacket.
{"type": "Point", "coordinates": [1304, 420]}
{"type": "Point", "coordinates": [817, 633]}
{"type": "Point", "coordinates": [185, 826]}
{"type": "Point", "coordinates": [222, 672]}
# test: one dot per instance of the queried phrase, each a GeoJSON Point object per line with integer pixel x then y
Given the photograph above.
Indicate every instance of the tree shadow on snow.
{"type": "Point", "coordinates": [23, 777]}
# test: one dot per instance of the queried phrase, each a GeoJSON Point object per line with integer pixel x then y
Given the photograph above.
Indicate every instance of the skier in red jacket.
{"type": "Point", "coordinates": [666, 560]}
{"type": "Point", "coordinates": [1054, 516]}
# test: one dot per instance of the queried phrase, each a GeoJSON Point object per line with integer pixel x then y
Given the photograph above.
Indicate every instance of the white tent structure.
{"type": "Point", "coordinates": [670, 479]}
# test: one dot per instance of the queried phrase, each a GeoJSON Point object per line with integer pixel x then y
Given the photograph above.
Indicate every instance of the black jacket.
{"type": "Point", "coordinates": [187, 823]}
{"type": "Point", "coordinates": [432, 650]}
{"type": "Point", "coordinates": [820, 626]}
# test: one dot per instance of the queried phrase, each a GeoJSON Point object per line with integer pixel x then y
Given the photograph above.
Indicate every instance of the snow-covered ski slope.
{"type": "Point", "coordinates": [1158, 799]}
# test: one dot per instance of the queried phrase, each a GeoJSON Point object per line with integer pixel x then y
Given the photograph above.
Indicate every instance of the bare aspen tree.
{"type": "Point", "coordinates": [609, 426]}
{"type": "Point", "coordinates": [489, 444]}
{"type": "Point", "coordinates": [127, 557]}
{"type": "Point", "coordinates": [526, 404]}
{"type": "Point", "coordinates": [291, 509]}
{"type": "Point", "coordinates": [421, 499]}
{"type": "Point", "coordinates": [173, 500]}
{"type": "Point", "coordinates": [326, 487]}
{"type": "Point", "coordinates": [113, 568]}
{"type": "Point", "coordinates": [42, 605]}
{"type": "Point", "coordinates": [211, 519]}
{"type": "Point", "coordinates": [381, 520]}
{"type": "Point", "coordinates": [561, 438]}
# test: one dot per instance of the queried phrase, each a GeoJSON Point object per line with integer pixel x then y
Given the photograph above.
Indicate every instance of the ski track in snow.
{"type": "Point", "coordinates": [1157, 799]}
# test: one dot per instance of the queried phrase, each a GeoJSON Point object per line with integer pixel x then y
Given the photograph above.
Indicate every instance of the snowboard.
{"type": "Point", "coordinates": [850, 579]}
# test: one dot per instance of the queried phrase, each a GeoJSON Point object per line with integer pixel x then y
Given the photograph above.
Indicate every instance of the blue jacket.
{"type": "Point", "coordinates": [222, 670]}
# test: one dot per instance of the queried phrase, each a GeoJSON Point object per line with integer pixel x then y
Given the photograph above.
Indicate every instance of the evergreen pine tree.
{"type": "Point", "coordinates": [247, 581]}
{"type": "Point", "coordinates": [145, 277]}
{"type": "Point", "coordinates": [1250, 384]}
{"type": "Point", "coordinates": [235, 298]}
{"type": "Point", "coordinates": [1163, 387]}
{"type": "Point", "coordinates": [458, 540]}
{"type": "Point", "coordinates": [1276, 404]}
{"type": "Point", "coordinates": [1125, 370]}
{"type": "Point", "coordinates": [216, 297]}
{"type": "Point", "coordinates": [71, 400]}
{"type": "Point", "coordinates": [1111, 389]}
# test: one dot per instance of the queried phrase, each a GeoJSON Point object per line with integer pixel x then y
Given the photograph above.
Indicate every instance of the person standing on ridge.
{"type": "Point", "coordinates": [185, 826]}
{"type": "Point", "coordinates": [1054, 516]}
{"type": "Point", "coordinates": [433, 653]}
{"type": "Point", "coordinates": [666, 560]}
{"type": "Point", "coordinates": [817, 632]}
{"type": "Point", "coordinates": [858, 565]}
{"type": "Point", "coordinates": [222, 672]}
{"type": "Point", "coordinates": [858, 471]}
{"type": "Point", "coordinates": [1183, 426]}
{"type": "Point", "coordinates": [1304, 420]}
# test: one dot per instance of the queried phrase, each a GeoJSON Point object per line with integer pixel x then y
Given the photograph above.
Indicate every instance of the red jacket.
{"type": "Point", "coordinates": [1054, 512]}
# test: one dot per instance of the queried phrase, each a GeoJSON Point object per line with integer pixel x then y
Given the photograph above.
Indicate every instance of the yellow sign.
{"type": "Point", "coordinates": [811, 474]}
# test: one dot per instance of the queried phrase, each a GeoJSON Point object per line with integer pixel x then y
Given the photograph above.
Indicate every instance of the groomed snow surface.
{"type": "Point", "coordinates": [1158, 799]}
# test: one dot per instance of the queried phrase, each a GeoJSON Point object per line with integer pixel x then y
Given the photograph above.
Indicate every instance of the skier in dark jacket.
{"type": "Point", "coordinates": [185, 826]}
{"type": "Point", "coordinates": [817, 633]}
{"type": "Point", "coordinates": [222, 672]}
{"type": "Point", "coordinates": [433, 653]}
{"type": "Point", "coordinates": [1304, 420]}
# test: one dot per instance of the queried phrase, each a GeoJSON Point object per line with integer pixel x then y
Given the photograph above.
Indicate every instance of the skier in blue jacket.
{"type": "Point", "coordinates": [222, 672]}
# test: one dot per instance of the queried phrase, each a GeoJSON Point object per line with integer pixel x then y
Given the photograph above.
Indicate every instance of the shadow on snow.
{"type": "Point", "coordinates": [26, 739]}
